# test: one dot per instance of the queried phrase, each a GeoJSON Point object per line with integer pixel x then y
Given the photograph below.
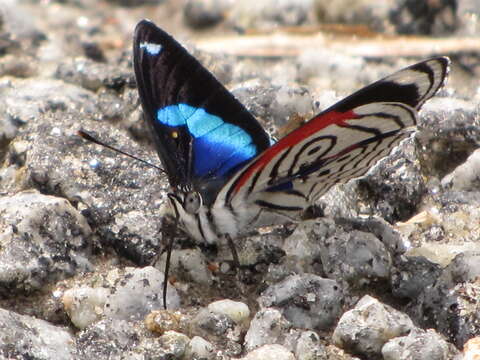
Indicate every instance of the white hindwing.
{"type": "Point", "coordinates": [335, 146]}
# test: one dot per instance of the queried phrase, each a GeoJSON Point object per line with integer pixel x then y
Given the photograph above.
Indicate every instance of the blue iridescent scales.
{"type": "Point", "coordinates": [218, 146]}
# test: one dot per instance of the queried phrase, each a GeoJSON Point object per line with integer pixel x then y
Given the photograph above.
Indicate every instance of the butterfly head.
{"type": "Point", "coordinates": [189, 209]}
{"type": "Point", "coordinates": [188, 202]}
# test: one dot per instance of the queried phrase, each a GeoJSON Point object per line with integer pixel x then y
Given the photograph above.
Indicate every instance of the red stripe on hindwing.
{"type": "Point", "coordinates": [314, 125]}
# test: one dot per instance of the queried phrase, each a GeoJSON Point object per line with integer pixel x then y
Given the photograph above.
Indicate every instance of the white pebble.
{"type": "Point", "coordinates": [270, 352]}
{"type": "Point", "coordinates": [84, 305]}
{"type": "Point", "coordinates": [235, 310]}
{"type": "Point", "coordinates": [199, 348]}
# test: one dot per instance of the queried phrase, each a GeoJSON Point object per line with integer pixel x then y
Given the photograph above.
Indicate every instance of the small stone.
{"type": "Point", "coordinates": [174, 343]}
{"type": "Point", "coordinates": [199, 348]}
{"type": "Point", "coordinates": [367, 327]}
{"type": "Point", "coordinates": [137, 293]}
{"type": "Point", "coordinates": [357, 257]}
{"type": "Point", "coordinates": [267, 327]}
{"type": "Point", "coordinates": [160, 321]}
{"type": "Point", "coordinates": [212, 325]}
{"type": "Point", "coordinates": [302, 248]}
{"type": "Point", "coordinates": [235, 310]}
{"type": "Point", "coordinates": [25, 337]}
{"type": "Point", "coordinates": [106, 338]}
{"type": "Point", "coordinates": [451, 304]}
{"type": "Point", "coordinates": [307, 300]}
{"type": "Point", "coordinates": [84, 305]}
{"type": "Point", "coordinates": [309, 347]}
{"type": "Point", "coordinates": [270, 352]}
{"type": "Point", "coordinates": [43, 239]}
{"type": "Point", "coordinates": [204, 13]}
{"type": "Point", "coordinates": [419, 345]}
{"type": "Point", "coordinates": [412, 275]}
{"type": "Point", "coordinates": [471, 350]}
{"type": "Point", "coordinates": [465, 177]}
{"type": "Point", "coordinates": [362, 12]}
{"type": "Point", "coordinates": [270, 14]}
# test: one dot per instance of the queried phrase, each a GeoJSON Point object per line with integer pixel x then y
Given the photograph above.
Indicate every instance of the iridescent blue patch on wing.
{"type": "Point", "coordinates": [218, 146]}
{"type": "Point", "coordinates": [171, 116]}
{"type": "Point", "coordinates": [151, 48]}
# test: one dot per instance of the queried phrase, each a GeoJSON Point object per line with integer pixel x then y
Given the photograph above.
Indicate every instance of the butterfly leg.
{"type": "Point", "coordinates": [167, 265]}
{"type": "Point", "coordinates": [231, 244]}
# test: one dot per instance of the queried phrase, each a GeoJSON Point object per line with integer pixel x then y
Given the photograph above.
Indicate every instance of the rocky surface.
{"type": "Point", "coordinates": [390, 271]}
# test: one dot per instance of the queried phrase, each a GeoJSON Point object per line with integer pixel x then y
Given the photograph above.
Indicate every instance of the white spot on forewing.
{"type": "Point", "coordinates": [94, 163]}
{"type": "Point", "coordinates": [151, 48]}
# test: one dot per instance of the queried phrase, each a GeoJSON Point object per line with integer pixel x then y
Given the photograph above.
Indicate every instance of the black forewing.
{"type": "Point", "coordinates": [172, 77]}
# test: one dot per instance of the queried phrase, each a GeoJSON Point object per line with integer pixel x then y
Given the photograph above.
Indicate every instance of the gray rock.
{"type": "Point", "coordinates": [413, 17]}
{"type": "Point", "coordinates": [211, 325]}
{"type": "Point", "coordinates": [366, 328]}
{"type": "Point", "coordinates": [93, 75]}
{"type": "Point", "coordinates": [449, 134]}
{"type": "Point", "coordinates": [137, 292]}
{"type": "Point", "coordinates": [395, 186]}
{"type": "Point", "coordinates": [385, 232]}
{"type": "Point", "coordinates": [199, 348]}
{"type": "Point", "coordinates": [419, 345]}
{"type": "Point", "coordinates": [411, 275]}
{"type": "Point", "coordinates": [465, 177]}
{"type": "Point", "coordinates": [14, 20]}
{"type": "Point", "coordinates": [174, 343]}
{"type": "Point", "coordinates": [356, 257]}
{"type": "Point", "coordinates": [307, 301]}
{"type": "Point", "coordinates": [43, 239]}
{"type": "Point", "coordinates": [268, 14]}
{"type": "Point", "coordinates": [268, 326]}
{"type": "Point", "coordinates": [55, 160]}
{"type": "Point", "coordinates": [27, 100]}
{"type": "Point", "coordinates": [309, 347]}
{"type": "Point", "coordinates": [109, 337]}
{"type": "Point", "coordinates": [302, 248]}
{"type": "Point", "coordinates": [357, 12]}
{"type": "Point", "coordinates": [451, 304]}
{"type": "Point", "coordinates": [32, 338]}
{"type": "Point", "coordinates": [205, 13]}
{"type": "Point", "coordinates": [466, 13]}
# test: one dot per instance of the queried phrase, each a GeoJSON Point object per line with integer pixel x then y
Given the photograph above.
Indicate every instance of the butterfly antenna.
{"type": "Point", "coordinates": [89, 137]}
{"type": "Point", "coordinates": [167, 266]}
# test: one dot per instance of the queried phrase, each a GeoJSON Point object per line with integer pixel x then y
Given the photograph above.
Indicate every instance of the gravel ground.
{"type": "Point", "coordinates": [385, 267]}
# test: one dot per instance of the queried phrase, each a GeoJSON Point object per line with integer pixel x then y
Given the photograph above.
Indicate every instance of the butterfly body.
{"type": "Point", "coordinates": [226, 176]}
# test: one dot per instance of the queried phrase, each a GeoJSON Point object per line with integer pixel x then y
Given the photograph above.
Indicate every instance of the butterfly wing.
{"type": "Point", "coordinates": [202, 133]}
{"type": "Point", "coordinates": [341, 143]}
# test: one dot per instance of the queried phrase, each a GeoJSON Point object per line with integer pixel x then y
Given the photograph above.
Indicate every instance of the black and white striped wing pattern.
{"type": "Point", "coordinates": [337, 145]}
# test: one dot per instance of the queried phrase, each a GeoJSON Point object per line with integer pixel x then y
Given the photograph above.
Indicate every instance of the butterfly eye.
{"type": "Point", "coordinates": [192, 202]}
{"type": "Point", "coordinates": [174, 134]}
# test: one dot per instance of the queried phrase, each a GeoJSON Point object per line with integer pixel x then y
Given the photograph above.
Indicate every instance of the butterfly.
{"type": "Point", "coordinates": [225, 174]}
